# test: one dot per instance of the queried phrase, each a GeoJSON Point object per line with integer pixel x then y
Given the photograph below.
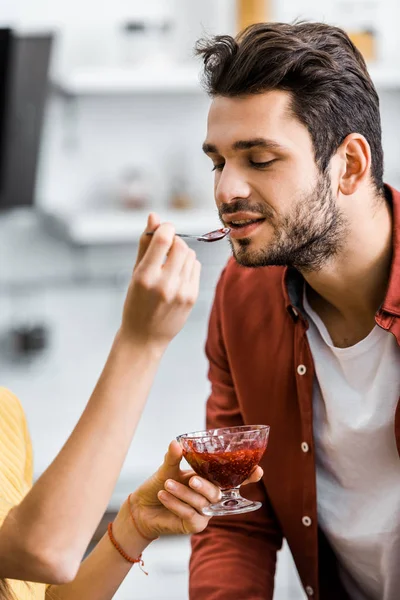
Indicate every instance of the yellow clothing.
{"type": "Point", "coordinates": [16, 471]}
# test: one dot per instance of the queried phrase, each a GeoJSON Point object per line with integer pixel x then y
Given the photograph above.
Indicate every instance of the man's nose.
{"type": "Point", "coordinates": [231, 186]}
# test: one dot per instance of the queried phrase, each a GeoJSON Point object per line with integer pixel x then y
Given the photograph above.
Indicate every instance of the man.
{"type": "Point", "coordinates": [307, 342]}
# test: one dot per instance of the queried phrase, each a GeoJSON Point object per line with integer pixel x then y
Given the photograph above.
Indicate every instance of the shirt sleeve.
{"type": "Point", "coordinates": [16, 449]}
{"type": "Point", "coordinates": [16, 473]}
{"type": "Point", "coordinates": [236, 555]}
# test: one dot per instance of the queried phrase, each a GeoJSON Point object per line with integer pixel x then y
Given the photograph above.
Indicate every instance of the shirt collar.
{"type": "Point", "coordinates": [391, 302]}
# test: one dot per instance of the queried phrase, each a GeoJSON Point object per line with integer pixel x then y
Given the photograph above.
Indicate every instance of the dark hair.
{"type": "Point", "coordinates": [332, 92]}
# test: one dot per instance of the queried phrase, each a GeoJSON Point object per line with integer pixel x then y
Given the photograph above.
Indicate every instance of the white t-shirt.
{"type": "Point", "coordinates": [356, 392]}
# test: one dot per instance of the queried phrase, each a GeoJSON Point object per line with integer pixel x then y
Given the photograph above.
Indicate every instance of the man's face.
{"type": "Point", "coordinates": [282, 210]}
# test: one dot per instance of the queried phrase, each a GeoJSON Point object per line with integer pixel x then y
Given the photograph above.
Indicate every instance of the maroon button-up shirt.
{"type": "Point", "coordinates": [261, 372]}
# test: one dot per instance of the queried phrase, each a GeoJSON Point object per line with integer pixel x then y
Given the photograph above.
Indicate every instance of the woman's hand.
{"type": "Point", "coordinates": [163, 288]}
{"type": "Point", "coordinates": [170, 502]}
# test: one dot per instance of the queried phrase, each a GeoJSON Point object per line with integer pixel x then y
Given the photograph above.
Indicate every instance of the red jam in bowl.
{"type": "Point", "coordinates": [225, 469]}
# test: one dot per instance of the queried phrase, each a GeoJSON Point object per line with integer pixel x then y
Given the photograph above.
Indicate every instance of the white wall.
{"type": "Point", "coordinates": [89, 31]}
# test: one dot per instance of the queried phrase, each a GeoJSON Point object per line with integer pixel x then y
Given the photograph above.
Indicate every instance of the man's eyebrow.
{"type": "Point", "coordinates": [256, 143]}
{"type": "Point", "coordinates": [245, 145]}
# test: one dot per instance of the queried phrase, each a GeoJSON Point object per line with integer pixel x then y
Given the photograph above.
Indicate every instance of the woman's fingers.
{"type": "Point", "coordinates": [205, 488]}
{"type": "Point", "coordinates": [187, 268]}
{"type": "Point", "coordinates": [166, 255]}
{"type": "Point", "coordinates": [158, 301]}
{"type": "Point", "coordinates": [176, 260]}
{"type": "Point", "coordinates": [194, 283]}
{"type": "Point", "coordinates": [200, 494]}
{"type": "Point", "coordinates": [186, 495]}
{"type": "Point", "coordinates": [192, 520]}
{"type": "Point", "coordinates": [160, 244]}
{"type": "Point", "coordinates": [190, 279]}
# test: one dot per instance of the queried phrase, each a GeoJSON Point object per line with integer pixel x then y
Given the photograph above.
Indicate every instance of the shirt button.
{"type": "Point", "coordinates": [305, 447]}
{"type": "Point", "coordinates": [301, 370]}
{"type": "Point", "coordinates": [306, 521]}
{"type": "Point", "coordinates": [309, 590]}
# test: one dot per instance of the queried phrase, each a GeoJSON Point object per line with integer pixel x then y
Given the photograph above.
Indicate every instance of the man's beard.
{"type": "Point", "coordinates": [306, 238]}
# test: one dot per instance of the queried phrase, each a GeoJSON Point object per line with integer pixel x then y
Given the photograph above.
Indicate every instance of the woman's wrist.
{"type": "Point", "coordinates": [126, 342]}
{"type": "Point", "coordinates": [127, 533]}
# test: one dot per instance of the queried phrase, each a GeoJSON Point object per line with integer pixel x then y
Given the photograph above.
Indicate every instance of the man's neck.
{"type": "Point", "coordinates": [352, 286]}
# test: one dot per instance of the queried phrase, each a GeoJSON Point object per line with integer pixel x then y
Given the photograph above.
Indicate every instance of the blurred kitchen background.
{"type": "Point", "coordinates": [102, 118]}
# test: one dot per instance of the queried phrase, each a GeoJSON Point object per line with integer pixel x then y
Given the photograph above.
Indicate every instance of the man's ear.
{"type": "Point", "coordinates": [353, 163]}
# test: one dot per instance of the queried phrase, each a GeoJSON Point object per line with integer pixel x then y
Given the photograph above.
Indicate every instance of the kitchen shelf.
{"type": "Point", "coordinates": [167, 79]}
{"type": "Point", "coordinates": [170, 79]}
{"type": "Point", "coordinates": [122, 227]}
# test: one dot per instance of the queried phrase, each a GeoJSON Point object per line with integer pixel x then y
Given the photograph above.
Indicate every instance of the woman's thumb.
{"type": "Point", "coordinates": [172, 459]}
{"type": "Point", "coordinates": [153, 221]}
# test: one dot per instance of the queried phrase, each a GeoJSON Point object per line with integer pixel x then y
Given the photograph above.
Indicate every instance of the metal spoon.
{"type": "Point", "coordinates": [212, 236]}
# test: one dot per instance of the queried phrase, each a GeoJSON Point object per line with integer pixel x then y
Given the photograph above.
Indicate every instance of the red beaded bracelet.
{"type": "Point", "coordinates": [122, 552]}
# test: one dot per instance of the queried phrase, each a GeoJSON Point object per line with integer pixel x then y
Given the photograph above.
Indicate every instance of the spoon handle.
{"type": "Point", "coordinates": [182, 235]}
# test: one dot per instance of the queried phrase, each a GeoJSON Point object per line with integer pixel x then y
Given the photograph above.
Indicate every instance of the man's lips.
{"type": "Point", "coordinates": [241, 219]}
{"type": "Point", "coordinates": [243, 224]}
